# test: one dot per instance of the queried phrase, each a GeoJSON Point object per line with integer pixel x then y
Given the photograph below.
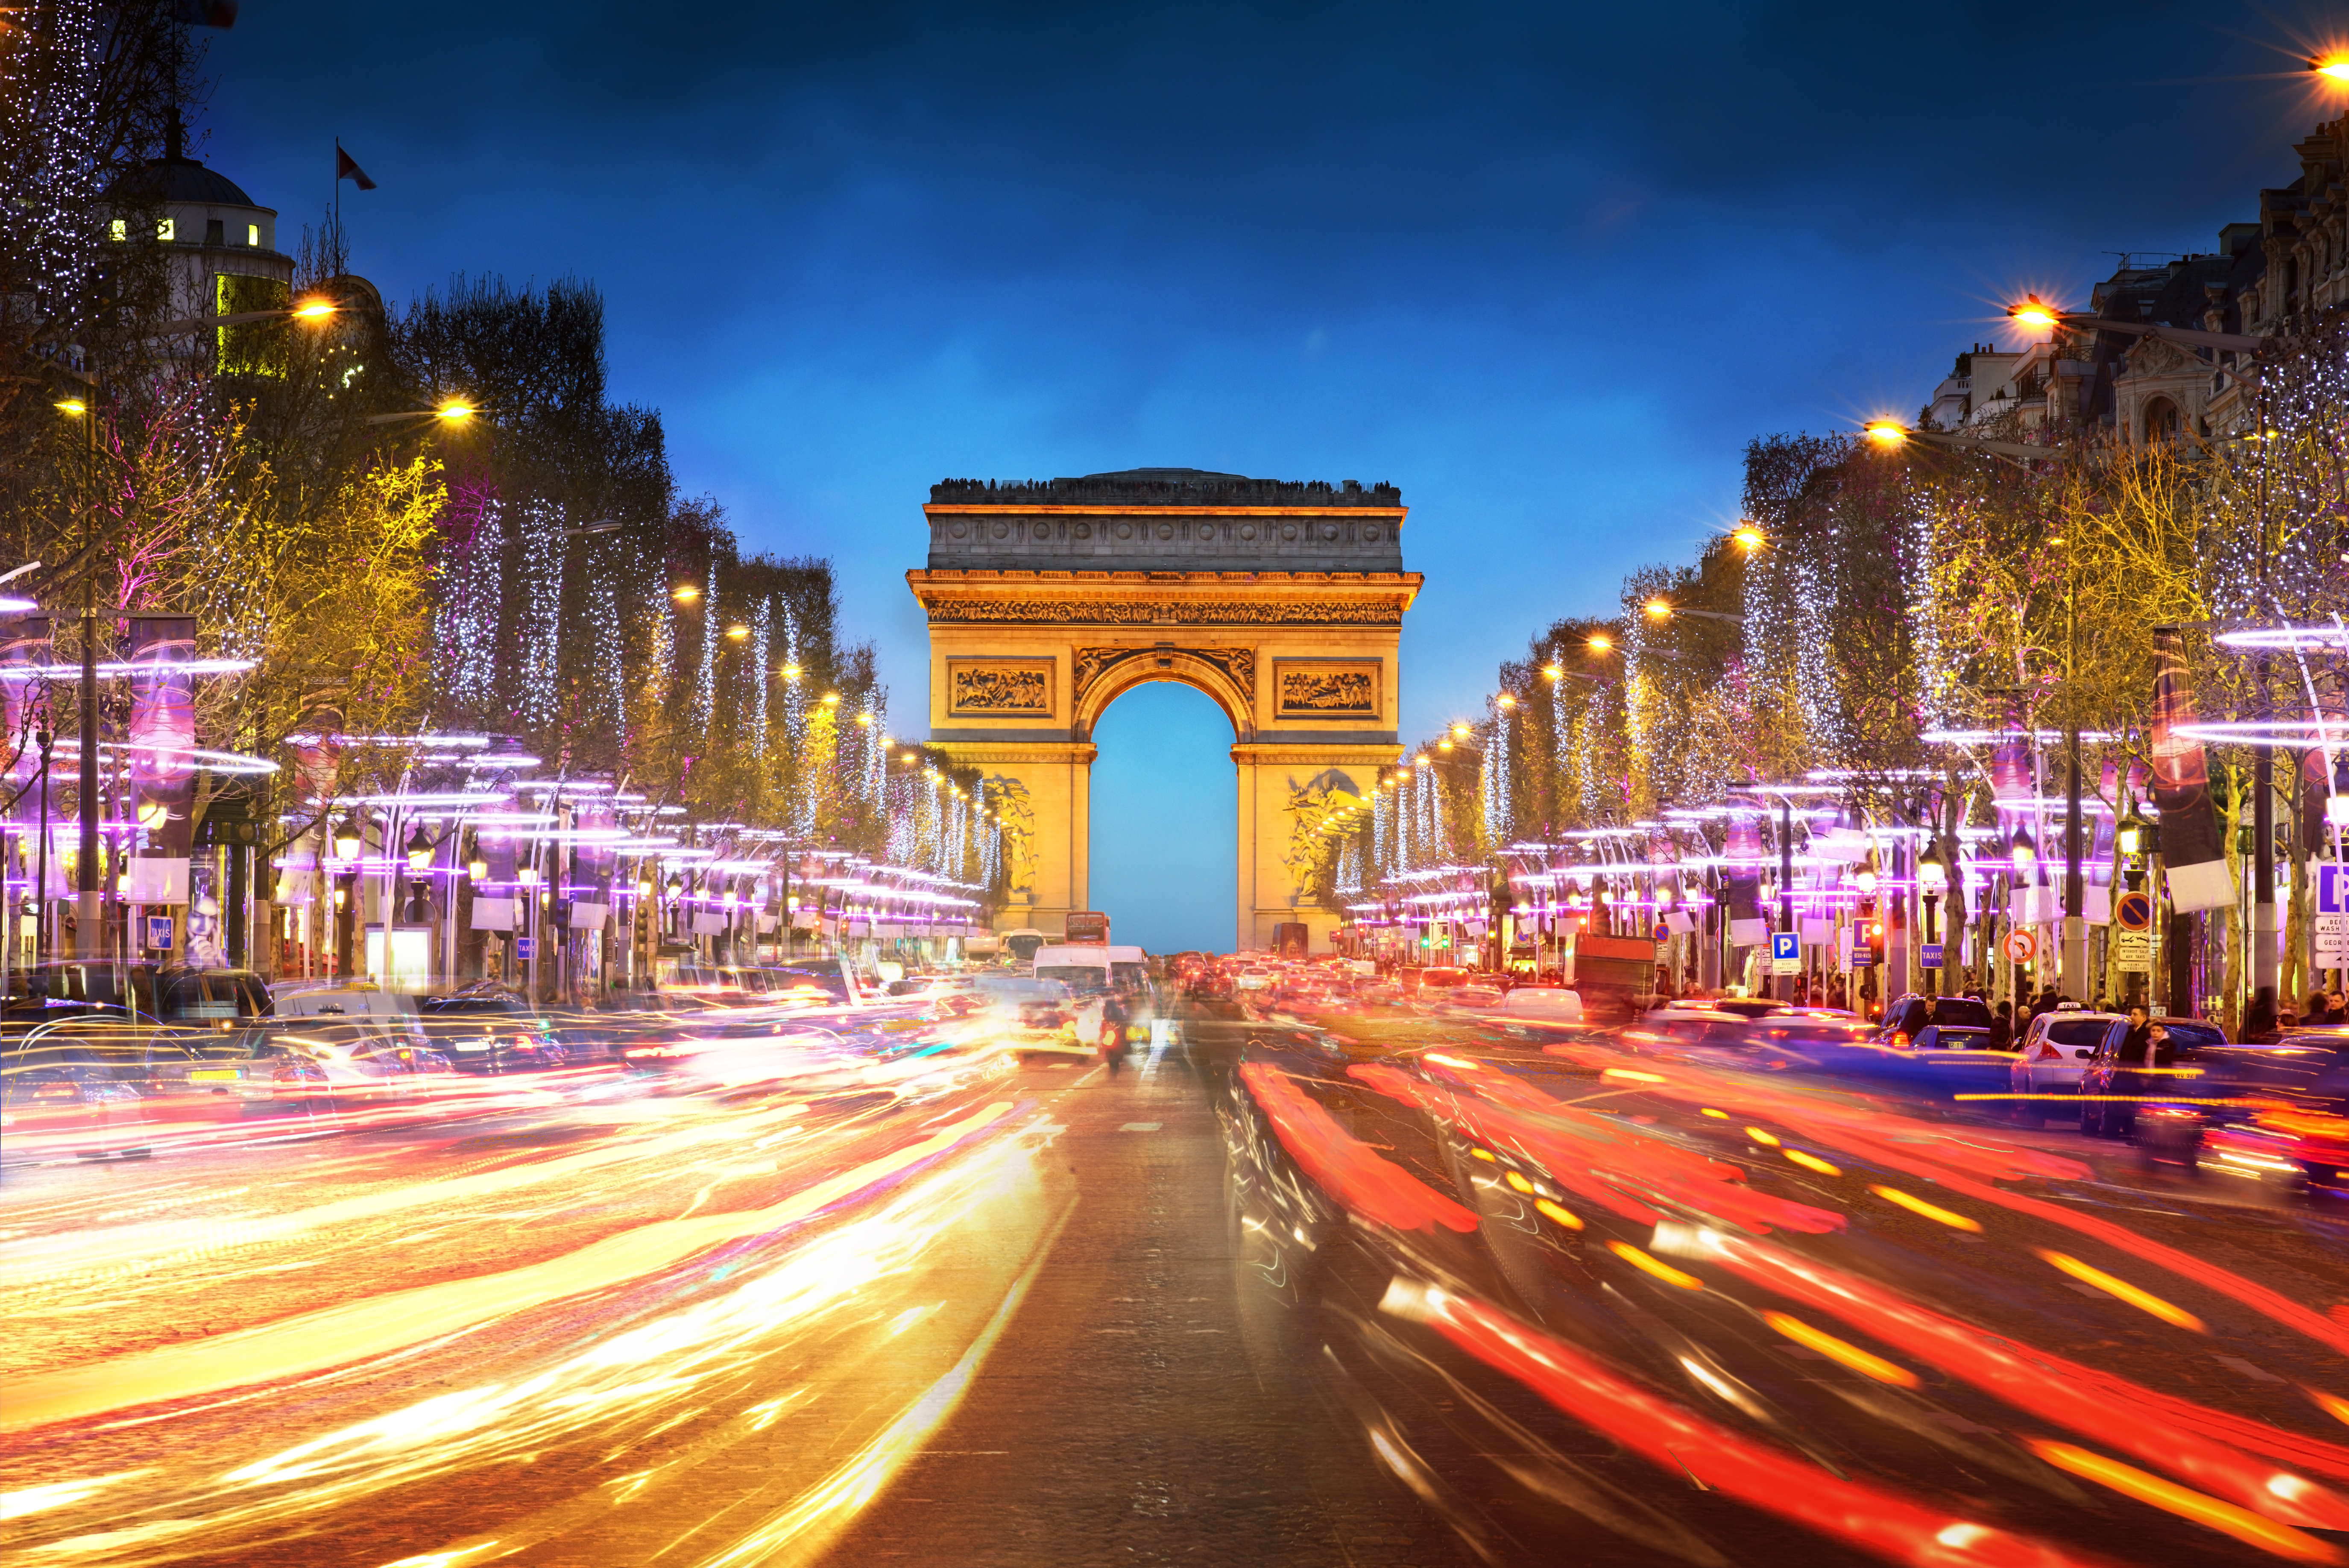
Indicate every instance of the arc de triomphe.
{"type": "Point", "coordinates": [1283, 602]}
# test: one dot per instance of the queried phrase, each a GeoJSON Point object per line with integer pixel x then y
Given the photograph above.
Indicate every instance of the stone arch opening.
{"type": "Point", "coordinates": [1224, 676]}
{"type": "Point", "coordinates": [1165, 827]}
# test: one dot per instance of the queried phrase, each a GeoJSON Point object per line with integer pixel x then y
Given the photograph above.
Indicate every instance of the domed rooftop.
{"type": "Point", "coordinates": [176, 179]}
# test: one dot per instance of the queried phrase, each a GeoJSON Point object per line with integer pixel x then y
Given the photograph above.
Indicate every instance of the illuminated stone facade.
{"type": "Point", "coordinates": [1282, 602]}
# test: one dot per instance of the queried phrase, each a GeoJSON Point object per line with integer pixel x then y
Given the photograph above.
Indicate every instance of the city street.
{"type": "Point", "coordinates": [1029, 1310]}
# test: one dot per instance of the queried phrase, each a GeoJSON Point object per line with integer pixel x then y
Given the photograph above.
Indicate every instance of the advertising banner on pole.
{"type": "Point", "coordinates": [2198, 877]}
{"type": "Point", "coordinates": [162, 738]}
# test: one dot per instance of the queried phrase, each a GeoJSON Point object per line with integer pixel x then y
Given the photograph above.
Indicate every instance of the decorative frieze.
{"type": "Point", "coordinates": [1327, 688]}
{"type": "Point", "coordinates": [1384, 610]}
{"type": "Point", "coordinates": [999, 688]}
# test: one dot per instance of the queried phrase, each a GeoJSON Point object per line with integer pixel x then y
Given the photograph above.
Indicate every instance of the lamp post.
{"type": "Point", "coordinates": [2022, 854]}
{"type": "Point", "coordinates": [1932, 876]}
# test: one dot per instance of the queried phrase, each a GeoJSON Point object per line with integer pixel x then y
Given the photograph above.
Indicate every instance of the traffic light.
{"type": "Point", "coordinates": [1876, 941]}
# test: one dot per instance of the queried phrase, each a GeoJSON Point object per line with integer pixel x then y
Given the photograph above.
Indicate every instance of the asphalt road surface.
{"type": "Point", "coordinates": [1367, 1291]}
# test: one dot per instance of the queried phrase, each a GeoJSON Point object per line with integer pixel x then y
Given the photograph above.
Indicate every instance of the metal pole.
{"type": "Point", "coordinates": [2076, 926]}
{"type": "Point", "coordinates": [1786, 886]}
{"type": "Point", "coordinates": [88, 917]}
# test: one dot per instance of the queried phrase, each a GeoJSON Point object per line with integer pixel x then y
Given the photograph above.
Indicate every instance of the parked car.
{"type": "Point", "coordinates": [2053, 1057]}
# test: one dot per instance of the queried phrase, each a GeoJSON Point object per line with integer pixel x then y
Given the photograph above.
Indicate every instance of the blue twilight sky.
{"type": "Point", "coordinates": [1547, 267]}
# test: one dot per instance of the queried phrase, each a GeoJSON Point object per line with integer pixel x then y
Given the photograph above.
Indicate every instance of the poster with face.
{"type": "Point", "coordinates": [162, 738]}
{"type": "Point", "coordinates": [207, 941]}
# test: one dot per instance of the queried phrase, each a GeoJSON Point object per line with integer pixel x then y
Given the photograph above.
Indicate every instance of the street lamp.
{"type": "Point", "coordinates": [2024, 853]}
{"type": "Point", "coordinates": [1932, 878]}
{"type": "Point", "coordinates": [449, 411]}
{"type": "Point", "coordinates": [1749, 538]}
{"type": "Point", "coordinates": [420, 851]}
{"type": "Point", "coordinates": [349, 841]}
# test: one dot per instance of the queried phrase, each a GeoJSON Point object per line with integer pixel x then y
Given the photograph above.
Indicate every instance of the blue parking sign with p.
{"type": "Point", "coordinates": [2332, 889]}
{"type": "Point", "coordinates": [1786, 945]}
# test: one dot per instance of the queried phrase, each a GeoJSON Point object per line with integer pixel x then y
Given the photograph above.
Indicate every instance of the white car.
{"type": "Point", "coordinates": [2055, 1051]}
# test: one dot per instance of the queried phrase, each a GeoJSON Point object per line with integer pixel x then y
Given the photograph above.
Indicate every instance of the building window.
{"type": "Point", "coordinates": [252, 234]}
{"type": "Point", "coordinates": [119, 229]}
{"type": "Point", "coordinates": [215, 232]}
{"type": "Point", "coordinates": [166, 229]}
{"type": "Point", "coordinates": [2161, 420]}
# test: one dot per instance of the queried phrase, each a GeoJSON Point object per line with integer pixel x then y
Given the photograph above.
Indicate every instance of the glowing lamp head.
{"type": "Point", "coordinates": [1505, 699]}
{"type": "Point", "coordinates": [2336, 810]}
{"type": "Point", "coordinates": [2023, 854]}
{"type": "Point", "coordinates": [737, 633]}
{"type": "Point", "coordinates": [1657, 609]}
{"type": "Point", "coordinates": [1553, 671]}
{"type": "Point", "coordinates": [73, 408]}
{"type": "Point", "coordinates": [1932, 872]}
{"type": "Point", "coordinates": [152, 814]}
{"type": "Point", "coordinates": [832, 699]}
{"type": "Point", "coordinates": [1886, 433]}
{"type": "Point", "coordinates": [2130, 838]}
{"type": "Point", "coordinates": [909, 759]}
{"type": "Point", "coordinates": [478, 870]}
{"type": "Point", "coordinates": [2332, 68]}
{"type": "Point", "coordinates": [1602, 643]}
{"type": "Point", "coordinates": [314, 311]}
{"type": "Point", "coordinates": [685, 593]}
{"type": "Point", "coordinates": [1459, 732]}
{"type": "Point", "coordinates": [347, 842]}
{"type": "Point", "coordinates": [1867, 882]}
{"type": "Point", "coordinates": [1444, 745]}
{"type": "Point", "coordinates": [1749, 537]}
{"type": "Point", "coordinates": [2033, 313]}
{"type": "Point", "coordinates": [866, 720]}
{"type": "Point", "coordinates": [420, 849]}
{"type": "Point", "coordinates": [1419, 762]}
{"type": "Point", "coordinates": [643, 887]}
{"type": "Point", "coordinates": [454, 411]}
{"type": "Point", "coordinates": [790, 673]}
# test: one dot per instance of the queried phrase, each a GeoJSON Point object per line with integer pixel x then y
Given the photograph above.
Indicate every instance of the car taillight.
{"type": "Point", "coordinates": [1900, 1039]}
{"type": "Point", "coordinates": [2048, 1052]}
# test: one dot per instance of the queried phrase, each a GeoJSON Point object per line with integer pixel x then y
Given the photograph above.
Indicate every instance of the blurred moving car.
{"type": "Point", "coordinates": [1541, 1004]}
{"type": "Point", "coordinates": [2129, 1073]}
{"type": "Point", "coordinates": [1039, 1017]}
{"type": "Point", "coordinates": [345, 1064]}
{"type": "Point", "coordinates": [485, 1030]}
{"type": "Point", "coordinates": [1908, 1016]}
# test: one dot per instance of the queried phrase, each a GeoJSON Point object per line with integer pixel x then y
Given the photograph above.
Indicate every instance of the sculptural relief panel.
{"type": "Point", "coordinates": [999, 688]}
{"type": "Point", "coordinates": [1327, 689]}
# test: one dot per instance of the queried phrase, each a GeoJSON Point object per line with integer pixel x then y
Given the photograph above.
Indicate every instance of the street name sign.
{"type": "Point", "coordinates": [2328, 941]}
